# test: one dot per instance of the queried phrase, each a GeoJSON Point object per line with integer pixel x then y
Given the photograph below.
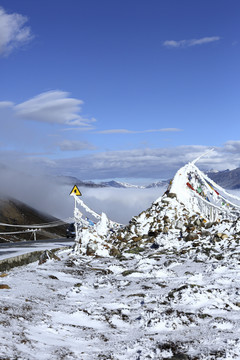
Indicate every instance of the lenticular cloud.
{"type": "Point", "coordinates": [53, 107]}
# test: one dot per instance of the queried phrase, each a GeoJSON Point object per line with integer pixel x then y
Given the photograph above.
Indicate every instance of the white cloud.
{"type": "Point", "coordinates": [125, 131]}
{"type": "Point", "coordinates": [190, 42]}
{"type": "Point", "coordinates": [51, 107]}
{"type": "Point", "coordinates": [6, 104]}
{"type": "Point", "coordinates": [138, 163]}
{"type": "Point", "coordinates": [161, 163]}
{"type": "Point", "coordinates": [120, 204]}
{"type": "Point", "coordinates": [75, 145]}
{"type": "Point", "coordinates": [13, 32]}
{"type": "Point", "coordinates": [233, 146]}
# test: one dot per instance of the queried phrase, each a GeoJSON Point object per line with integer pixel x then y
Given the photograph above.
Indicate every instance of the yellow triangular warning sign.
{"type": "Point", "coordinates": [75, 191]}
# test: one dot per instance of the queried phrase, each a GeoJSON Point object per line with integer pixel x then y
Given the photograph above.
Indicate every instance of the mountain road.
{"type": "Point", "coordinates": [11, 249]}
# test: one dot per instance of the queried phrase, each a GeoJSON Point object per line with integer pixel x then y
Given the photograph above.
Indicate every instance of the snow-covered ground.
{"type": "Point", "coordinates": [150, 306]}
{"type": "Point", "coordinates": [166, 286]}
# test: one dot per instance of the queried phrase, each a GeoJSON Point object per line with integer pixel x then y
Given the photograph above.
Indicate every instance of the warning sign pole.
{"type": "Point", "coordinates": [75, 192]}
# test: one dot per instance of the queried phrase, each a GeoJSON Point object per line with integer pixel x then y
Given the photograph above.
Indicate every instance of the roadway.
{"type": "Point", "coordinates": [11, 249]}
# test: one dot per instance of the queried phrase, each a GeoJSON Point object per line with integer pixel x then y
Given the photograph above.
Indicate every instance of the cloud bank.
{"type": "Point", "coordinates": [46, 194]}
{"type": "Point", "coordinates": [13, 32]}
{"type": "Point", "coordinates": [49, 196]}
{"type": "Point", "coordinates": [161, 163]}
{"type": "Point", "coordinates": [190, 42]}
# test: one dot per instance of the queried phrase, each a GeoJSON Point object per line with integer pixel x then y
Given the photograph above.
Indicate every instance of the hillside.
{"type": "Point", "coordinates": [229, 179]}
{"type": "Point", "coordinates": [14, 212]}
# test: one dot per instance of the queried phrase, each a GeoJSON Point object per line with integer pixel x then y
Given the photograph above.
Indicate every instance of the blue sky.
{"type": "Point", "coordinates": [129, 89]}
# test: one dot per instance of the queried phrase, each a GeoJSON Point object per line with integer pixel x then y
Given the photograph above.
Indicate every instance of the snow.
{"type": "Point", "coordinates": [91, 307]}
{"type": "Point", "coordinates": [179, 299]}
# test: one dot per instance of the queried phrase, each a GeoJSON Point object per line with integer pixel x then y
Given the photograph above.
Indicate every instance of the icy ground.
{"type": "Point", "coordinates": [153, 305]}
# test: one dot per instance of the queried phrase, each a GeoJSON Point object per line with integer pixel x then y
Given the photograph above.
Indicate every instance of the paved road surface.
{"type": "Point", "coordinates": [17, 248]}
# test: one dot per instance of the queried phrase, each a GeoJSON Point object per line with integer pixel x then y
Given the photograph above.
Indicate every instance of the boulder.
{"type": "Point", "coordinates": [191, 237]}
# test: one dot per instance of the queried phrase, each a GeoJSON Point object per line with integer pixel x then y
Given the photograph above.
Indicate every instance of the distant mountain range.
{"type": "Point", "coordinates": [228, 179]}
{"type": "Point", "coordinates": [70, 180]}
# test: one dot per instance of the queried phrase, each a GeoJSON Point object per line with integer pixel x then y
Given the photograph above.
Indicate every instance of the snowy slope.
{"type": "Point", "coordinates": [166, 286]}
{"type": "Point", "coordinates": [162, 304]}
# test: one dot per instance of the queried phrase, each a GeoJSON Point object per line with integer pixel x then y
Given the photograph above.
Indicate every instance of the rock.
{"type": "Point", "coordinates": [91, 249]}
{"type": "Point", "coordinates": [115, 252]}
{"type": "Point", "coordinates": [208, 225]}
{"type": "Point", "coordinates": [179, 356]}
{"type": "Point", "coordinates": [172, 195]}
{"type": "Point", "coordinates": [197, 222]}
{"type": "Point", "coordinates": [166, 201]}
{"type": "Point", "coordinates": [205, 233]}
{"type": "Point", "coordinates": [165, 230]}
{"type": "Point", "coordinates": [78, 285]}
{"type": "Point", "coordinates": [136, 238]}
{"type": "Point", "coordinates": [135, 250]}
{"type": "Point", "coordinates": [4, 286]}
{"type": "Point", "coordinates": [154, 246]}
{"type": "Point", "coordinates": [3, 275]}
{"type": "Point", "coordinates": [153, 233]}
{"type": "Point", "coordinates": [128, 272]}
{"type": "Point", "coordinates": [191, 237]}
{"type": "Point", "coordinates": [222, 236]}
{"type": "Point", "coordinates": [196, 244]}
{"type": "Point", "coordinates": [190, 228]}
{"type": "Point", "coordinates": [47, 255]}
{"type": "Point", "coordinates": [219, 257]}
{"type": "Point", "coordinates": [166, 219]}
{"type": "Point", "coordinates": [53, 277]}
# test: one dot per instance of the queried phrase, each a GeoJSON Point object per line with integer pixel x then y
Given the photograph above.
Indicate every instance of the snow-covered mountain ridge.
{"type": "Point", "coordinates": [229, 179]}
{"type": "Point", "coordinates": [69, 180]}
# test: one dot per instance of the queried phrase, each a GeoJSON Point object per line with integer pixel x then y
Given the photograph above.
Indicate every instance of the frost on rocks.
{"type": "Point", "coordinates": [166, 286]}
{"type": "Point", "coordinates": [192, 210]}
{"type": "Point", "coordinates": [92, 238]}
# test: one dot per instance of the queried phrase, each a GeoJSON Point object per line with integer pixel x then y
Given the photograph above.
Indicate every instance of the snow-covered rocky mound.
{"type": "Point", "coordinates": [193, 210]}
